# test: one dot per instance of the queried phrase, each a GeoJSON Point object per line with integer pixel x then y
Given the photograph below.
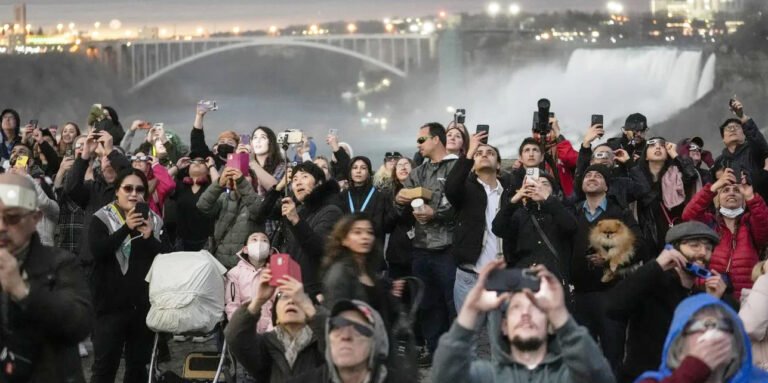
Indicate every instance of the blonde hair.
{"type": "Point", "coordinates": [757, 271]}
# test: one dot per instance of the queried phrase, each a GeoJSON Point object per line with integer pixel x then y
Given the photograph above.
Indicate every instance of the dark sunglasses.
{"type": "Point", "coordinates": [338, 322]}
{"type": "Point", "coordinates": [705, 324]}
{"type": "Point", "coordinates": [14, 219]}
{"type": "Point", "coordinates": [422, 139]}
{"type": "Point", "coordinates": [139, 189]}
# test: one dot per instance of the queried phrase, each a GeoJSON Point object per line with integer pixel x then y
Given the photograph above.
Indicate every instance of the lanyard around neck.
{"type": "Point", "coordinates": [365, 203]}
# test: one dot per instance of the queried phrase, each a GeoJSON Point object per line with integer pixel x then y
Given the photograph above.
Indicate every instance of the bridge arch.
{"type": "Point", "coordinates": [266, 42]}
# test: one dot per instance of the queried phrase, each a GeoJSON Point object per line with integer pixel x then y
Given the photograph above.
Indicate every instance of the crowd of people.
{"type": "Point", "coordinates": [623, 259]}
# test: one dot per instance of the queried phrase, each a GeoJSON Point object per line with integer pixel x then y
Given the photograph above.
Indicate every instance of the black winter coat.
{"type": "Point", "coordinates": [305, 241]}
{"type": "Point", "coordinates": [47, 325]}
{"type": "Point", "coordinates": [378, 207]}
{"type": "Point", "coordinates": [647, 300]}
{"type": "Point", "coordinates": [400, 247]}
{"type": "Point", "coordinates": [653, 222]}
{"type": "Point", "coordinates": [263, 355]}
{"type": "Point", "coordinates": [750, 156]}
{"type": "Point", "coordinates": [585, 277]}
{"type": "Point", "coordinates": [112, 291]}
{"type": "Point", "coordinates": [91, 195]}
{"type": "Point", "coordinates": [524, 246]}
{"type": "Point", "coordinates": [469, 201]}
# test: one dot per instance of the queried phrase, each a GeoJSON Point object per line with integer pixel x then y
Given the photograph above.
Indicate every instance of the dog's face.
{"type": "Point", "coordinates": [608, 229]}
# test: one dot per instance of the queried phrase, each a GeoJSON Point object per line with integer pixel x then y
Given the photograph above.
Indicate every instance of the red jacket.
{"type": "Point", "coordinates": [691, 370]}
{"type": "Point", "coordinates": [567, 157]}
{"type": "Point", "coordinates": [737, 255]}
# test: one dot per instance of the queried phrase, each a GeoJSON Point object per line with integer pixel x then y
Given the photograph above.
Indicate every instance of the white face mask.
{"type": "Point", "coordinates": [731, 213]}
{"type": "Point", "coordinates": [258, 252]}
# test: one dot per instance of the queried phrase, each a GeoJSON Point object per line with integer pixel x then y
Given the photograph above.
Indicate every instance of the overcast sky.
{"type": "Point", "coordinates": [224, 14]}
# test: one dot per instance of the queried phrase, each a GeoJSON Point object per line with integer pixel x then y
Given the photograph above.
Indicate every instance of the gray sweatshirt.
{"type": "Point", "coordinates": [572, 357]}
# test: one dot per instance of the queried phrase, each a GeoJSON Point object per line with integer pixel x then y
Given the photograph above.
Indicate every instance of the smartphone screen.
{"type": "Point", "coordinates": [597, 119]}
{"type": "Point", "coordinates": [143, 208]}
{"type": "Point", "coordinates": [483, 128]}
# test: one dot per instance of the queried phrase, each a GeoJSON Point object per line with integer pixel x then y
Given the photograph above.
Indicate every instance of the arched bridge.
{"type": "Point", "coordinates": [144, 61]}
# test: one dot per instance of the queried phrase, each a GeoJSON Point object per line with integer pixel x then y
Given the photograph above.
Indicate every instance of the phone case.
{"type": "Point", "coordinates": [281, 265]}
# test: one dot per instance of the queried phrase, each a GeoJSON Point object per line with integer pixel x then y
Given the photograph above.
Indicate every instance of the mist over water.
{"type": "Point", "coordinates": [657, 82]}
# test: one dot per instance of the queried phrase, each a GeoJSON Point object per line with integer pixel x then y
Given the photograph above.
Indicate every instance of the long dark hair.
{"type": "Point", "coordinates": [335, 251]}
{"type": "Point", "coordinates": [273, 153]}
{"type": "Point", "coordinates": [643, 162]}
{"type": "Point", "coordinates": [132, 172]}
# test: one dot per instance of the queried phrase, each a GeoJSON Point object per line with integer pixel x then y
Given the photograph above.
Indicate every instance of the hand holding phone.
{"type": "Point", "coordinates": [143, 209]}
{"type": "Point", "coordinates": [282, 265]}
{"type": "Point", "coordinates": [512, 280]}
{"type": "Point", "coordinates": [483, 129]}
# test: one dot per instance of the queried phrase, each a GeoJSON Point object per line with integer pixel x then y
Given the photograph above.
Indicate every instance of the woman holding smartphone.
{"type": "Point", "coordinates": [124, 238]}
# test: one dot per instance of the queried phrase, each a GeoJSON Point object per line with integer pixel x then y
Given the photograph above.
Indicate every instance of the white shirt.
{"type": "Point", "coordinates": [491, 244]}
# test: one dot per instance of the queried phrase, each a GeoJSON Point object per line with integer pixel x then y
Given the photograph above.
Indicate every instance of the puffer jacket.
{"type": "Point", "coordinates": [736, 254]}
{"type": "Point", "coordinates": [235, 218]}
{"type": "Point", "coordinates": [436, 234]}
{"type": "Point", "coordinates": [566, 160]}
{"type": "Point", "coordinates": [305, 241]}
{"type": "Point", "coordinates": [572, 356]}
{"type": "Point", "coordinates": [239, 290]}
{"type": "Point", "coordinates": [754, 314]}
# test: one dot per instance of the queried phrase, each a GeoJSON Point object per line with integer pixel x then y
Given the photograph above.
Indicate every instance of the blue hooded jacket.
{"type": "Point", "coordinates": [684, 312]}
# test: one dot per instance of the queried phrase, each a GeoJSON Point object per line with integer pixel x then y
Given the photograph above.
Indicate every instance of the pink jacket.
{"type": "Point", "coordinates": [754, 314]}
{"type": "Point", "coordinates": [239, 290]}
{"type": "Point", "coordinates": [165, 186]}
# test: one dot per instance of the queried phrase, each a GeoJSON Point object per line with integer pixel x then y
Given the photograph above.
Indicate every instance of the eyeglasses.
{"type": "Point", "coordinates": [422, 139]}
{"type": "Point", "coordinates": [338, 322]}
{"type": "Point", "coordinates": [141, 158]}
{"type": "Point", "coordinates": [602, 155]}
{"type": "Point", "coordinates": [732, 128]}
{"type": "Point", "coordinates": [709, 323]}
{"type": "Point", "coordinates": [198, 161]}
{"type": "Point", "coordinates": [694, 148]}
{"type": "Point", "coordinates": [14, 218]}
{"type": "Point", "coordinates": [129, 189]}
{"type": "Point", "coordinates": [656, 141]}
{"type": "Point", "coordinates": [78, 146]}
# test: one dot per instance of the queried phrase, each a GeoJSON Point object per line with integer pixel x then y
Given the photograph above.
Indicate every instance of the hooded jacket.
{"type": "Point", "coordinates": [5, 146]}
{"type": "Point", "coordinates": [684, 312]}
{"type": "Point", "coordinates": [737, 253]}
{"type": "Point", "coordinates": [572, 357]}
{"type": "Point", "coordinates": [305, 241]}
{"type": "Point", "coordinates": [384, 368]}
{"type": "Point", "coordinates": [235, 218]}
{"type": "Point", "coordinates": [239, 290]}
{"type": "Point", "coordinates": [436, 234]}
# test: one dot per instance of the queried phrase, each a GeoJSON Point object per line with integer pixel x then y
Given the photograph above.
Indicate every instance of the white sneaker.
{"type": "Point", "coordinates": [83, 351]}
{"type": "Point", "coordinates": [202, 339]}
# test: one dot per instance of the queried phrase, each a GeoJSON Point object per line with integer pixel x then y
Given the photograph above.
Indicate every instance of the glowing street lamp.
{"type": "Point", "coordinates": [389, 27]}
{"type": "Point", "coordinates": [71, 26]}
{"type": "Point", "coordinates": [97, 24]}
{"type": "Point", "coordinates": [514, 9]}
{"type": "Point", "coordinates": [236, 30]}
{"type": "Point", "coordinates": [493, 9]}
{"type": "Point", "coordinates": [614, 7]}
{"type": "Point", "coordinates": [351, 28]}
{"type": "Point", "coordinates": [361, 84]}
{"type": "Point", "coordinates": [59, 27]}
{"type": "Point", "coordinates": [273, 30]}
{"type": "Point", "coordinates": [199, 31]}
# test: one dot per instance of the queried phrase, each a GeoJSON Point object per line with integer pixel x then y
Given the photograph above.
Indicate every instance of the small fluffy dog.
{"type": "Point", "coordinates": [613, 242]}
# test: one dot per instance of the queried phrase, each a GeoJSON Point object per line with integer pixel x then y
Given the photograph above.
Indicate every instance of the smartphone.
{"type": "Point", "coordinates": [533, 173]}
{"type": "Point", "coordinates": [69, 153]}
{"type": "Point", "coordinates": [238, 161]}
{"type": "Point", "coordinates": [158, 125]}
{"type": "Point", "coordinates": [245, 139]}
{"type": "Point", "coordinates": [333, 132]}
{"type": "Point", "coordinates": [697, 270]}
{"type": "Point", "coordinates": [142, 208]}
{"type": "Point", "coordinates": [511, 280]}
{"type": "Point", "coordinates": [33, 123]}
{"type": "Point", "coordinates": [21, 162]}
{"type": "Point", "coordinates": [282, 265]}
{"type": "Point", "coordinates": [460, 116]}
{"type": "Point", "coordinates": [483, 128]}
{"type": "Point", "coordinates": [740, 112]}
{"type": "Point", "coordinates": [597, 119]}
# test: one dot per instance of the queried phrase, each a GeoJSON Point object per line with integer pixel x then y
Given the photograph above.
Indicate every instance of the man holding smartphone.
{"type": "Point", "coordinates": [525, 349]}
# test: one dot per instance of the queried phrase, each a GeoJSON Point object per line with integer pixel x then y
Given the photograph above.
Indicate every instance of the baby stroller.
{"type": "Point", "coordinates": [186, 294]}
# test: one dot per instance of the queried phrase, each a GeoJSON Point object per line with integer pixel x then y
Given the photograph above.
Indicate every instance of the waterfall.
{"type": "Point", "coordinates": [657, 82]}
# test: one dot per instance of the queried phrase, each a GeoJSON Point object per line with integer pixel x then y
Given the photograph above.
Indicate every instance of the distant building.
{"type": "Point", "coordinates": [695, 9]}
{"type": "Point", "coordinates": [20, 14]}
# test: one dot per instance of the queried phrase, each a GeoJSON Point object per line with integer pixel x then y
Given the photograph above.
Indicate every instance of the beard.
{"type": "Point", "coordinates": [527, 345]}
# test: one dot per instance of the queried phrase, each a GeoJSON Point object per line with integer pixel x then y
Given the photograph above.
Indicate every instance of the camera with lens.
{"type": "Point", "coordinates": [289, 137]}
{"type": "Point", "coordinates": [460, 116]}
{"type": "Point", "coordinates": [541, 118]}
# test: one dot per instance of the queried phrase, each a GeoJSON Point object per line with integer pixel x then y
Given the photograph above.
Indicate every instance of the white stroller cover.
{"type": "Point", "coordinates": [186, 292]}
